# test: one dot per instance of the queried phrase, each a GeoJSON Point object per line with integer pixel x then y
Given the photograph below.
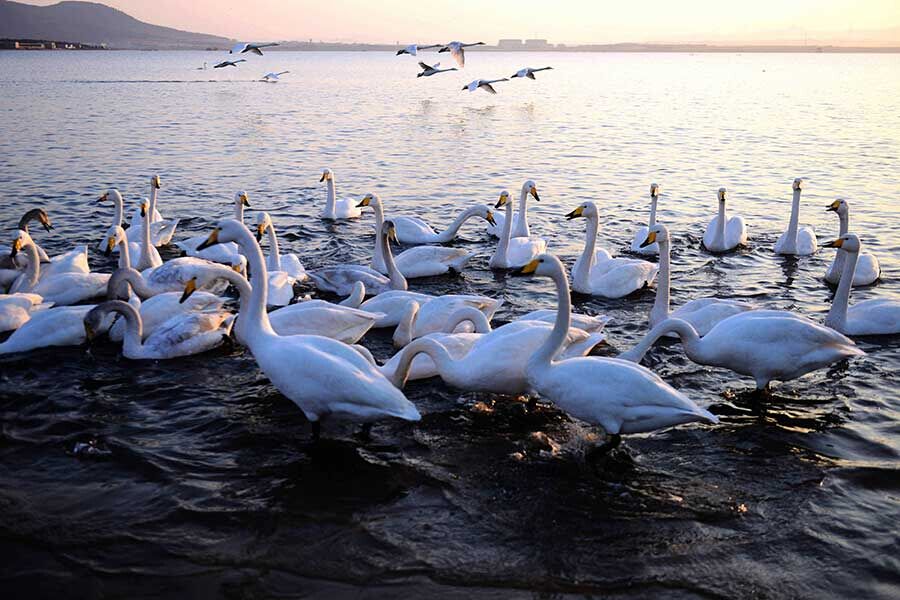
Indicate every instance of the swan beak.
{"type": "Point", "coordinates": [651, 239]}
{"type": "Point", "coordinates": [364, 202]}
{"type": "Point", "coordinates": [833, 206]}
{"type": "Point", "coordinates": [143, 210]}
{"type": "Point", "coordinates": [834, 244]}
{"type": "Point", "coordinates": [212, 240]}
{"type": "Point", "coordinates": [89, 332]}
{"type": "Point", "coordinates": [490, 218]}
{"type": "Point", "coordinates": [189, 288]}
{"type": "Point", "coordinates": [578, 212]}
{"type": "Point", "coordinates": [110, 243]}
{"type": "Point", "coordinates": [502, 201]}
{"type": "Point", "coordinates": [323, 178]}
{"type": "Point", "coordinates": [47, 226]}
{"type": "Point", "coordinates": [245, 201]}
{"type": "Point", "coordinates": [16, 246]}
{"type": "Point", "coordinates": [156, 183]}
{"type": "Point", "coordinates": [259, 232]}
{"type": "Point", "coordinates": [534, 193]}
{"type": "Point", "coordinates": [237, 269]}
{"type": "Point", "coordinates": [529, 268]}
{"type": "Point", "coordinates": [103, 198]}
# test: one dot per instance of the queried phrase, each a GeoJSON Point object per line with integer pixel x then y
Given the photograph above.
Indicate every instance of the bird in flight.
{"type": "Point", "coordinates": [229, 63]}
{"type": "Point", "coordinates": [412, 49]}
{"type": "Point", "coordinates": [529, 72]}
{"type": "Point", "coordinates": [484, 84]}
{"type": "Point", "coordinates": [273, 77]}
{"type": "Point", "coordinates": [243, 47]}
{"type": "Point", "coordinates": [456, 50]}
{"type": "Point", "coordinates": [429, 70]}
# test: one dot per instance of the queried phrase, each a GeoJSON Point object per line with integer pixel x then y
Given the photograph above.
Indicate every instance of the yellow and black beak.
{"type": "Point", "coordinates": [578, 212]}
{"type": "Point", "coordinates": [157, 183]}
{"type": "Point", "coordinates": [530, 267]}
{"type": "Point", "coordinates": [143, 210]}
{"type": "Point", "coordinates": [189, 288]}
{"type": "Point", "coordinates": [504, 198]}
{"type": "Point", "coordinates": [834, 243]}
{"type": "Point", "coordinates": [245, 201]}
{"type": "Point", "coordinates": [16, 246]}
{"type": "Point", "coordinates": [212, 240]}
{"type": "Point", "coordinates": [46, 225]}
{"type": "Point", "coordinates": [323, 177]}
{"type": "Point", "coordinates": [651, 239]}
{"type": "Point", "coordinates": [110, 244]}
{"type": "Point", "coordinates": [534, 193]}
{"type": "Point", "coordinates": [104, 197]}
{"type": "Point", "coordinates": [259, 231]}
{"type": "Point", "coordinates": [833, 206]}
{"type": "Point", "coordinates": [490, 218]}
{"type": "Point", "coordinates": [238, 269]}
{"type": "Point", "coordinates": [364, 202]}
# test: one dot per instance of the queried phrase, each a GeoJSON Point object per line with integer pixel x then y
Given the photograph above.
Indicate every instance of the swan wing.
{"type": "Point", "coordinates": [874, 317]}
{"type": "Point", "coordinates": [337, 322]}
{"type": "Point", "coordinates": [618, 277]}
{"type": "Point", "coordinates": [735, 232]}
{"type": "Point", "coordinates": [413, 230]}
{"type": "Point", "coordinates": [340, 280]}
{"type": "Point", "coordinates": [425, 261]}
{"type": "Point", "coordinates": [187, 334]}
{"type": "Point", "coordinates": [72, 288]}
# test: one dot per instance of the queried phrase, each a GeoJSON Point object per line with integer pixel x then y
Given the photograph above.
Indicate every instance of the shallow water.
{"type": "Point", "coordinates": [212, 485]}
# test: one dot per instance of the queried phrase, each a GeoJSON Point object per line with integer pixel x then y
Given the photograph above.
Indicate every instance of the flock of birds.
{"type": "Point", "coordinates": [309, 348]}
{"type": "Point", "coordinates": [456, 50]}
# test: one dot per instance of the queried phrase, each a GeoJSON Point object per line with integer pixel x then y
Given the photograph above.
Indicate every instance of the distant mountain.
{"type": "Point", "coordinates": [89, 22]}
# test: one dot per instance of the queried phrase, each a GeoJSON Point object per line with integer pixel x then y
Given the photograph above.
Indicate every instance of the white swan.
{"type": "Point", "coordinates": [345, 208]}
{"type": "Point", "coordinates": [289, 263]}
{"type": "Point", "coordinates": [796, 240]}
{"type": "Point", "coordinates": [74, 261]}
{"type": "Point", "coordinates": [768, 345]}
{"type": "Point", "coordinates": [419, 319]}
{"type": "Point", "coordinates": [148, 257]}
{"type": "Point", "coordinates": [16, 309]}
{"type": "Point", "coordinates": [182, 335]}
{"type": "Point", "coordinates": [868, 271]}
{"type": "Point", "coordinates": [511, 251]}
{"type": "Point", "coordinates": [394, 305]}
{"type": "Point", "coordinates": [419, 261]}
{"type": "Point", "coordinates": [598, 274]}
{"type": "Point", "coordinates": [58, 326]}
{"type": "Point", "coordinates": [879, 316]}
{"type": "Point", "coordinates": [313, 317]}
{"type": "Point", "coordinates": [520, 226]}
{"type": "Point", "coordinates": [724, 234]}
{"type": "Point", "coordinates": [62, 289]}
{"type": "Point", "coordinates": [343, 279]}
{"type": "Point", "coordinates": [458, 52]}
{"type": "Point", "coordinates": [640, 234]}
{"type": "Point", "coordinates": [323, 377]}
{"type": "Point", "coordinates": [161, 230]}
{"type": "Point", "coordinates": [115, 197]}
{"type": "Point", "coordinates": [35, 214]}
{"type": "Point", "coordinates": [413, 230]}
{"type": "Point", "coordinates": [701, 313]}
{"type": "Point", "coordinates": [588, 323]}
{"type": "Point", "coordinates": [221, 253]}
{"type": "Point", "coordinates": [619, 396]}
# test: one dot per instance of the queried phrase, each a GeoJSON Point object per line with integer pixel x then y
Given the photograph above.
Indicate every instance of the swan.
{"type": "Point", "coordinates": [579, 321]}
{"type": "Point", "coordinates": [458, 52]}
{"type": "Point", "coordinates": [513, 252]}
{"type": "Point", "coordinates": [528, 72]}
{"type": "Point", "coordinates": [57, 326]}
{"type": "Point", "coordinates": [799, 241]}
{"type": "Point", "coordinates": [161, 230]}
{"type": "Point", "coordinates": [394, 305]}
{"type": "Point", "coordinates": [879, 316]}
{"type": "Point", "coordinates": [597, 273]}
{"type": "Point", "coordinates": [429, 70]}
{"type": "Point", "coordinates": [74, 261]}
{"type": "Point", "coordinates": [724, 234]}
{"type": "Point", "coordinates": [182, 335]}
{"type": "Point", "coordinates": [767, 345]}
{"type": "Point", "coordinates": [148, 257]}
{"type": "Point", "coordinates": [113, 195]}
{"type": "Point", "coordinates": [701, 313]}
{"type": "Point", "coordinates": [484, 84]}
{"type": "Point", "coordinates": [343, 279]}
{"type": "Point", "coordinates": [244, 47]}
{"type": "Point", "coordinates": [273, 77]}
{"type": "Point", "coordinates": [520, 227]}
{"type": "Point", "coordinates": [413, 49]}
{"type": "Point", "coordinates": [868, 271]}
{"type": "Point", "coordinates": [16, 309]}
{"type": "Point", "coordinates": [345, 208]}
{"type": "Point", "coordinates": [323, 377]}
{"type": "Point", "coordinates": [637, 242]}
{"type": "Point", "coordinates": [413, 230]}
{"type": "Point", "coordinates": [221, 253]}
{"type": "Point", "coordinates": [619, 396]}
{"type": "Point", "coordinates": [419, 261]}
{"type": "Point", "coordinates": [62, 289]}
{"type": "Point", "coordinates": [289, 263]}
{"type": "Point", "coordinates": [433, 315]}
{"type": "Point", "coordinates": [159, 308]}
{"type": "Point", "coordinates": [35, 214]}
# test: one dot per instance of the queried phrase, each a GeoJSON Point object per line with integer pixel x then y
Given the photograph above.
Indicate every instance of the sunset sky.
{"type": "Point", "coordinates": [869, 22]}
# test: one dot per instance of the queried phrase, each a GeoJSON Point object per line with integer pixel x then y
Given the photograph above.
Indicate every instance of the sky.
{"type": "Point", "coordinates": [864, 22]}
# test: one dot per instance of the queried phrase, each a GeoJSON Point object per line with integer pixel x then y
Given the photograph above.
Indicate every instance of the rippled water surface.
{"type": "Point", "coordinates": [212, 485]}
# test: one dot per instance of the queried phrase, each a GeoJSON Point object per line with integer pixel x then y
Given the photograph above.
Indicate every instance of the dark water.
{"type": "Point", "coordinates": [211, 485]}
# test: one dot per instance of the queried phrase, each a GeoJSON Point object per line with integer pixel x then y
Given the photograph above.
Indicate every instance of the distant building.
{"type": "Point", "coordinates": [537, 44]}
{"type": "Point", "coordinates": [30, 46]}
{"type": "Point", "coordinates": [509, 44]}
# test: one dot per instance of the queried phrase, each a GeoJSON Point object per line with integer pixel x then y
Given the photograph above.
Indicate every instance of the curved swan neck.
{"type": "Point", "coordinates": [450, 232]}
{"type": "Point", "coordinates": [119, 210]}
{"type": "Point", "coordinates": [423, 345]}
{"type": "Point", "coordinates": [689, 339]}
{"type": "Point", "coordinates": [274, 254]}
{"type": "Point", "coordinates": [470, 314]}
{"type": "Point", "coordinates": [403, 333]}
{"type": "Point", "coordinates": [398, 281]}
{"type": "Point", "coordinates": [552, 345]}
{"type": "Point", "coordinates": [134, 328]}
{"type": "Point", "coordinates": [124, 277]}
{"type": "Point", "coordinates": [522, 229]}
{"type": "Point", "coordinates": [356, 297]}
{"type": "Point", "coordinates": [32, 271]}
{"type": "Point", "coordinates": [660, 310]}
{"type": "Point", "coordinates": [590, 244]}
{"type": "Point", "coordinates": [837, 315]}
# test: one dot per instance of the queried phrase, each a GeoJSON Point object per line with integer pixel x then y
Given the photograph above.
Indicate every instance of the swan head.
{"type": "Point", "coordinates": [35, 214]}
{"type": "Point", "coordinates": [242, 198]}
{"type": "Point", "coordinates": [530, 187]}
{"type": "Point", "coordinates": [369, 199]}
{"type": "Point", "coordinates": [654, 190]}
{"type": "Point", "coordinates": [544, 265]}
{"type": "Point", "coordinates": [839, 206]}
{"type": "Point", "coordinates": [389, 232]}
{"type": "Point", "coordinates": [486, 214]}
{"type": "Point", "coordinates": [658, 233]}
{"type": "Point", "coordinates": [110, 194]}
{"type": "Point", "coordinates": [849, 242]}
{"type": "Point", "coordinates": [504, 198]}
{"type": "Point", "coordinates": [263, 220]}
{"type": "Point", "coordinates": [228, 230]}
{"type": "Point", "coordinates": [586, 209]}
{"type": "Point", "coordinates": [723, 193]}
{"type": "Point", "coordinates": [327, 175]}
{"type": "Point", "coordinates": [21, 240]}
{"type": "Point", "coordinates": [189, 288]}
{"type": "Point", "coordinates": [798, 184]}
{"type": "Point", "coordinates": [145, 206]}
{"type": "Point", "coordinates": [155, 182]}
{"type": "Point", "coordinates": [114, 235]}
{"type": "Point", "coordinates": [239, 264]}
{"type": "Point", "coordinates": [94, 319]}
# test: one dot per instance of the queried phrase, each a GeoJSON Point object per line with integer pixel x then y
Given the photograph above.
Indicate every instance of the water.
{"type": "Point", "coordinates": [212, 486]}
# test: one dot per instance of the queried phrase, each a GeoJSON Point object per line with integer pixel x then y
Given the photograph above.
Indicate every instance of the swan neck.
{"type": "Point", "coordinates": [378, 260]}
{"type": "Point", "coordinates": [119, 211]}
{"type": "Point", "coordinates": [134, 328]}
{"type": "Point", "coordinates": [431, 348]}
{"type": "Point", "coordinates": [844, 220]}
{"type": "Point", "coordinates": [837, 315]}
{"type": "Point", "coordinates": [552, 345]}
{"type": "Point", "coordinates": [652, 221]}
{"type": "Point", "coordinates": [274, 254]}
{"type": "Point", "coordinates": [239, 210]}
{"type": "Point", "coordinates": [256, 316]}
{"type": "Point", "coordinates": [587, 255]}
{"type": "Point", "coordinates": [522, 216]}
{"type": "Point", "coordinates": [124, 253]}
{"type": "Point", "coordinates": [145, 239]}
{"type": "Point", "coordinates": [452, 229]}
{"type": "Point", "coordinates": [398, 281]}
{"type": "Point", "coordinates": [153, 192]}
{"type": "Point", "coordinates": [660, 310]}
{"type": "Point", "coordinates": [330, 196]}
{"type": "Point", "coordinates": [720, 226]}
{"type": "Point", "coordinates": [688, 335]}
{"type": "Point", "coordinates": [33, 271]}
{"type": "Point", "coordinates": [403, 332]}
{"type": "Point", "coordinates": [503, 244]}
{"type": "Point", "coordinates": [795, 218]}
{"type": "Point", "coordinates": [471, 314]}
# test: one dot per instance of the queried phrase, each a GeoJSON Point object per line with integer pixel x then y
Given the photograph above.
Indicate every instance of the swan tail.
{"type": "Point", "coordinates": [460, 263]}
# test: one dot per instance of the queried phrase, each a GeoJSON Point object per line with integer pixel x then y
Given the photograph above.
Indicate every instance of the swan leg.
{"type": "Point", "coordinates": [597, 455]}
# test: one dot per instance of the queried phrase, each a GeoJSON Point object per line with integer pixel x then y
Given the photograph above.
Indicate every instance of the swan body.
{"type": "Point", "coordinates": [579, 321]}
{"type": "Point", "coordinates": [161, 230]}
{"type": "Point", "coordinates": [174, 275]}
{"type": "Point", "coordinates": [879, 316]}
{"type": "Point", "coordinates": [598, 274]}
{"type": "Point", "coordinates": [511, 251]}
{"type": "Point", "coordinates": [768, 345]}
{"type": "Point", "coordinates": [149, 257]}
{"type": "Point", "coordinates": [58, 326]}
{"type": "Point", "coordinates": [335, 209]}
{"type": "Point", "coordinates": [323, 377]}
{"type": "Point", "coordinates": [796, 240]}
{"type": "Point", "coordinates": [16, 309]}
{"type": "Point", "coordinates": [724, 234]}
{"type": "Point", "coordinates": [394, 305]}
{"type": "Point", "coordinates": [275, 261]}
{"type": "Point", "coordinates": [701, 313]}
{"type": "Point", "coordinates": [619, 396]}
{"type": "Point", "coordinates": [458, 52]}
{"type": "Point", "coordinates": [63, 289]}
{"type": "Point", "coordinates": [413, 230]}
{"type": "Point", "coordinates": [220, 253]}
{"type": "Point", "coordinates": [434, 315]}
{"type": "Point", "coordinates": [868, 271]}
{"type": "Point", "coordinates": [640, 234]}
